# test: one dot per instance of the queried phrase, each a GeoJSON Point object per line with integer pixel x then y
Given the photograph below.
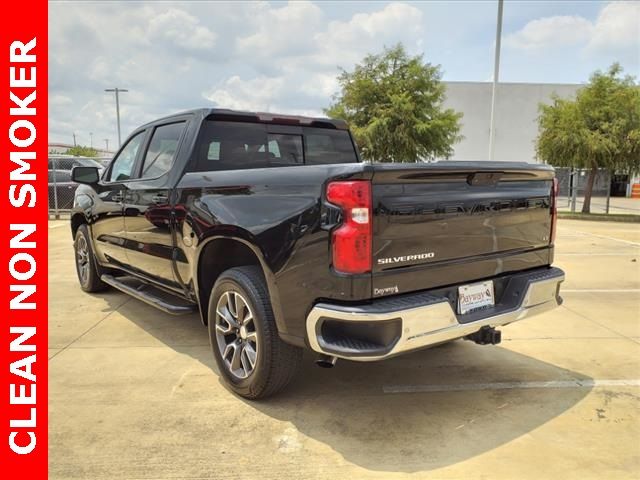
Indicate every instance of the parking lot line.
{"type": "Point", "coordinates": [601, 290]}
{"type": "Point", "coordinates": [574, 383]}
{"type": "Point", "coordinates": [576, 254]}
{"type": "Point", "coordinates": [628, 242]}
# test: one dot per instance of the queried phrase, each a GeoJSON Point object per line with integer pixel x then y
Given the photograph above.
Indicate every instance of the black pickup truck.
{"type": "Point", "coordinates": [273, 229]}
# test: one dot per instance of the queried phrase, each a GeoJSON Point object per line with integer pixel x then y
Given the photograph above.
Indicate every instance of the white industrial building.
{"type": "Point", "coordinates": [516, 125]}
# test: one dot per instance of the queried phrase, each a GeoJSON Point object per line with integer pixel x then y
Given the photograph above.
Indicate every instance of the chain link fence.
{"type": "Point", "coordinates": [61, 189]}
{"type": "Point", "coordinates": [608, 195]}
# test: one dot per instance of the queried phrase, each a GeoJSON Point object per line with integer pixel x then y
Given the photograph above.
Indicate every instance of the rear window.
{"type": "Point", "coordinates": [323, 146]}
{"type": "Point", "coordinates": [235, 146]}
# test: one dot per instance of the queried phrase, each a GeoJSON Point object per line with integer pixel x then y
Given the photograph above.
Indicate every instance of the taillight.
{"type": "Point", "coordinates": [554, 210]}
{"type": "Point", "coordinates": [351, 241]}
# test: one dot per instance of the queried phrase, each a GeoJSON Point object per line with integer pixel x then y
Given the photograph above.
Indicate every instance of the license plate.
{"type": "Point", "coordinates": [475, 296]}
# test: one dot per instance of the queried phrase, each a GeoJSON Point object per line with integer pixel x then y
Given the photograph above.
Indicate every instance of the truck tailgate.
{"type": "Point", "coordinates": [452, 222]}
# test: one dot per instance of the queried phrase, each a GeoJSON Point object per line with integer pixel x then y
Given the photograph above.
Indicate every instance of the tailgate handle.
{"type": "Point", "coordinates": [484, 178]}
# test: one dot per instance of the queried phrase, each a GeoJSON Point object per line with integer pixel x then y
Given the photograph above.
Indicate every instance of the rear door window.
{"type": "Point", "coordinates": [231, 146]}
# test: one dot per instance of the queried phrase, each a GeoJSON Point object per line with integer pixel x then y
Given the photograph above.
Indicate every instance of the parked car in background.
{"type": "Point", "coordinates": [104, 161]}
{"type": "Point", "coordinates": [67, 162]}
{"type": "Point", "coordinates": [61, 190]}
{"type": "Point", "coordinates": [61, 187]}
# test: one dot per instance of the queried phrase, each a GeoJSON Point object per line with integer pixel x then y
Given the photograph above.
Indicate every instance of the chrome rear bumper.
{"type": "Point", "coordinates": [423, 320]}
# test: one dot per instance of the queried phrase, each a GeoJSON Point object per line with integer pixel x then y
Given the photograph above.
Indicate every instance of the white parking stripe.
{"type": "Point", "coordinates": [587, 383]}
{"type": "Point", "coordinates": [596, 254]}
{"type": "Point", "coordinates": [628, 242]}
{"type": "Point", "coordinates": [600, 290]}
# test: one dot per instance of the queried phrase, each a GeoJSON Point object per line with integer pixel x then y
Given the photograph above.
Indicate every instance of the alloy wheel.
{"type": "Point", "coordinates": [82, 258]}
{"type": "Point", "coordinates": [236, 334]}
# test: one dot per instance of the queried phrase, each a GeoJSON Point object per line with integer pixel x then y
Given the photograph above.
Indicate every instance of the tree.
{"type": "Point", "coordinates": [599, 129]}
{"type": "Point", "coordinates": [82, 151]}
{"type": "Point", "coordinates": [393, 103]}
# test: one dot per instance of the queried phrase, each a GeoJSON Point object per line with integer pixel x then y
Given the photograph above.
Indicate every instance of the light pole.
{"type": "Point", "coordinates": [117, 92]}
{"type": "Point", "coordinates": [106, 142]}
{"type": "Point", "coordinates": [91, 139]}
{"type": "Point", "coordinates": [496, 73]}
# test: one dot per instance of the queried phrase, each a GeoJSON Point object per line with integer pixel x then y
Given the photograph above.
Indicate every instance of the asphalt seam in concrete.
{"type": "Point", "coordinates": [89, 329]}
{"type": "Point", "coordinates": [573, 383]}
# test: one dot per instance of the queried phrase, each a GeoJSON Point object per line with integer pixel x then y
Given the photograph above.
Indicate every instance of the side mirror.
{"type": "Point", "coordinates": [86, 175]}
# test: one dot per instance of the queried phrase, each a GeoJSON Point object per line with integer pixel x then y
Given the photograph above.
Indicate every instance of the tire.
{"type": "Point", "coordinates": [87, 267]}
{"type": "Point", "coordinates": [248, 333]}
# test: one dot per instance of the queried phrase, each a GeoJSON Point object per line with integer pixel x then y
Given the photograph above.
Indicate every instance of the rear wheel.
{"type": "Point", "coordinates": [86, 265]}
{"type": "Point", "coordinates": [252, 359]}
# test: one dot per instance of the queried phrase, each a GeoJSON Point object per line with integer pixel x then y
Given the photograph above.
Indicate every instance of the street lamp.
{"type": "Point", "coordinates": [117, 92]}
{"type": "Point", "coordinates": [496, 73]}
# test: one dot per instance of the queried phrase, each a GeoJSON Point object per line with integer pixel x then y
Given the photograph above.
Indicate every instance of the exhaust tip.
{"type": "Point", "coordinates": [326, 361]}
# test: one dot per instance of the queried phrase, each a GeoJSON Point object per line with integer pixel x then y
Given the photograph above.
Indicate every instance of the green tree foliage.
{"type": "Point", "coordinates": [393, 103]}
{"type": "Point", "coordinates": [599, 129]}
{"type": "Point", "coordinates": [82, 151]}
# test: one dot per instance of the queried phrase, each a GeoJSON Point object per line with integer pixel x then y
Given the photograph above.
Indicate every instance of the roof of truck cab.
{"type": "Point", "coordinates": [258, 117]}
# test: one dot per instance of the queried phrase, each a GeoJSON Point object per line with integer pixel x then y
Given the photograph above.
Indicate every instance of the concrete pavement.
{"type": "Point", "coordinates": [134, 393]}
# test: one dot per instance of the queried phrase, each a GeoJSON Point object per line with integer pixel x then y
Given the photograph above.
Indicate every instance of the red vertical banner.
{"type": "Point", "coordinates": [23, 337]}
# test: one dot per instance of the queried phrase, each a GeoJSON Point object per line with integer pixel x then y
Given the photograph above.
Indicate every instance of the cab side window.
{"type": "Point", "coordinates": [122, 166]}
{"type": "Point", "coordinates": [162, 150]}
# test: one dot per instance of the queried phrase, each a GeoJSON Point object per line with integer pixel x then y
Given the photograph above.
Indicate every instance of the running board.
{"type": "Point", "coordinates": [151, 295]}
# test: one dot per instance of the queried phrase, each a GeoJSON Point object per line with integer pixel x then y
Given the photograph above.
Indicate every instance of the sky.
{"type": "Point", "coordinates": [285, 56]}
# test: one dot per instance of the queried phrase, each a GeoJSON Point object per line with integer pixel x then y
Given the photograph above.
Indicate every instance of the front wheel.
{"type": "Point", "coordinates": [252, 359]}
{"type": "Point", "coordinates": [86, 265]}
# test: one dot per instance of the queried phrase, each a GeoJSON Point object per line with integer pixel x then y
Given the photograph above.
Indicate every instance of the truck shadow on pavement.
{"type": "Point", "coordinates": [352, 409]}
{"type": "Point", "coordinates": [347, 407]}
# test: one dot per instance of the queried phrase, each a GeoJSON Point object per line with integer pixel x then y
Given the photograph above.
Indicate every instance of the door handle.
{"type": "Point", "coordinates": [160, 199]}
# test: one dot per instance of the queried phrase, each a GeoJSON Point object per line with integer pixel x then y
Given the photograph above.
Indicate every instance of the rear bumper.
{"type": "Point", "coordinates": [395, 325]}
